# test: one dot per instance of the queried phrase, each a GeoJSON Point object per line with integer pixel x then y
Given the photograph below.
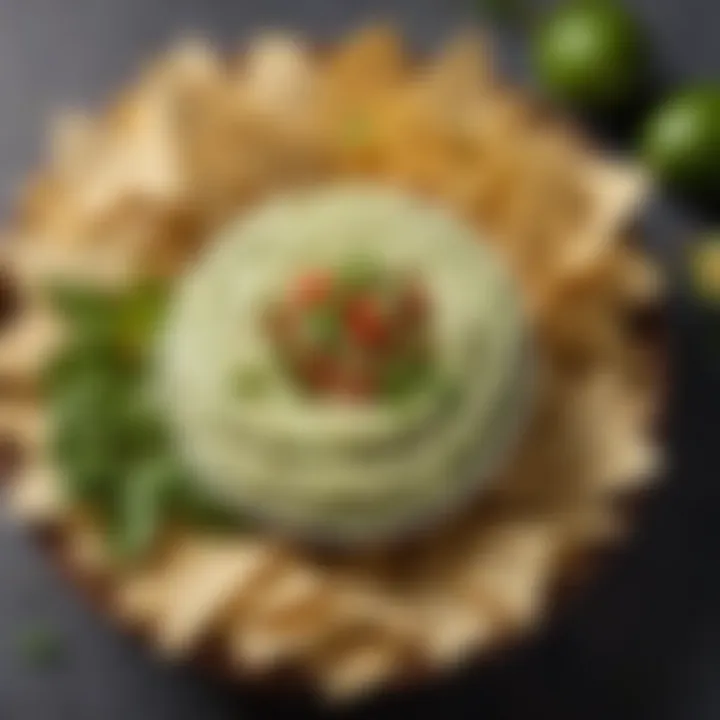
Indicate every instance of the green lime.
{"type": "Point", "coordinates": [590, 53]}
{"type": "Point", "coordinates": [682, 140]}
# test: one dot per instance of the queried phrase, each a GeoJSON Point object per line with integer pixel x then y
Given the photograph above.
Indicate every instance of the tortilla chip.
{"type": "Point", "coordinates": [202, 583]}
{"type": "Point", "coordinates": [35, 496]}
{"type": "Point", "coordinates": [278, 77]}
{"type": "Point", "coordinates": [25, 347]}
{"type": "Point", "coordinates": [369, 61]}
{"type": "Point", "coordinates": [359, 669]}
{"type": "Point", "coordinates": [24, 424]}
{"type": "Point", "coordinates": [616, 192]}
{"type": "Point", "coordinates": [506, 574]}
{"type": "Point", "coordinates": [454, 630]}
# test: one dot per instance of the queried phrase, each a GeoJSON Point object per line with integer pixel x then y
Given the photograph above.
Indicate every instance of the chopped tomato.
{"type": "Point", "coordinates": [360, 386]}
{"type": "Point", "coordinates": [313, 288]}
{"type": "Point", "coordinates": [367, 322]}
{"type": "Point", "coordinates": [321, 372]}
{"type": "Point", "coordinates": [413, 304]}
{"type": "Point", "coordinates": [277, 321]}
{"type": "Point", "coordinates": [338, 331]}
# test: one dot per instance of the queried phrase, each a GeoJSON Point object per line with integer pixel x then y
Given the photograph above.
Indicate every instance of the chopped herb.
{"type": "Point", "coordinates": [41, 647]}
{"type": "Point", "coordinates": [359, 273]}
{"type": "Point", "coordinates": [140, 311]}
{"type": "Point", "coordinates": [323, 327]}
{"type": "Point", "coordinates": [405, 377]}
{"type": "Point", "coordinates": [362, 337]}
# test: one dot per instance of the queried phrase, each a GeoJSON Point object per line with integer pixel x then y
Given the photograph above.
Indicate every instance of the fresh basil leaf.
{"type": "Point", "coordinates": [139, 515]}
{"type": "Point", "coordinates": [141, 310]}
{"type": "Point", "coordinates": [85, 309]}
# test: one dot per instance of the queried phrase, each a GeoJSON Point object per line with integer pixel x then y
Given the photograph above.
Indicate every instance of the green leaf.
{"type": "Point", "coordinates": [141, 310]}
{"type": "Point", "coordinates": [359, 273]}
{"type": "Point", "coordinates": [86, 358]}
{"type": "Point", "coordinates": [138, 518]}
{"type": "Point", "coordinates": [203, 511]}
{"type": "Point", "coordinates": [86, 434]}
{"type": "Point", "coordinates": [85, 309]}
{"type": "Point", "coordinates": [323, 327]}
{"type": "Point", "coordinates": [405, 376]}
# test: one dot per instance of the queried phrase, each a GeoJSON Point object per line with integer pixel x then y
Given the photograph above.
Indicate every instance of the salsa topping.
{"type": "Point", "coordinates": [358, 331]}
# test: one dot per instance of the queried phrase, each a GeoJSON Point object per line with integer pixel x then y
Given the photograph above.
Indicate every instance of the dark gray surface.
{"type": "Point", "coordinates": [643, 643]}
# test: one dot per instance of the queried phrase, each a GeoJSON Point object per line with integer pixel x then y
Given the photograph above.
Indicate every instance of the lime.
{"type": "Point", "coordinates": [590, 53]}
{"type": "Point", "coordinates": [682, 140]}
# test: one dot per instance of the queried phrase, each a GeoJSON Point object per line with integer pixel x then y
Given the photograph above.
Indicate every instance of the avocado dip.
{"type": "Point", "coordinates": [345, 361]}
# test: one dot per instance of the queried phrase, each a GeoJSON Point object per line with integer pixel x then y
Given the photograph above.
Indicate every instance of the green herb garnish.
{"type": "Point", "coordinates": [108, 438]}
{"type": "Point", "coordinates": [323, 326]}
{"type": "Point", "coordinates": [359, 273]}
{"type": "Point", "coordinates": [41, 647]}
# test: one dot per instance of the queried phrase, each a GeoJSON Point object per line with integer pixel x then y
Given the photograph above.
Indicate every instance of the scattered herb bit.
{"type": "Point", "coordinates": [138, 516]}
{"type": "Point", "coordinates": [140, 312]}
{"type": "Point", "coordinates": [358, 273]}
{"type": "Point", "coordinates": [322, 327]}
{"type": "Point", "coordinates": [41, 647]}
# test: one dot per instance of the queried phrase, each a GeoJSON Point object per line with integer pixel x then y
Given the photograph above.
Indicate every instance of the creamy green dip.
{"type": "Point", "coordinates": [320, 464]}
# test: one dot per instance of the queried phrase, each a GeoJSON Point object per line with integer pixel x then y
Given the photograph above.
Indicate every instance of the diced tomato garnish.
{"type": "Point", "coordinates": [367, 322]}
{"type": "Point", "coordinates": [413, 304]}
{"type": "Point", "coordinates": [277, 320]}
{"type": "Point", "coordinates": [312, 288]}
{"type": "Point", "coordinates": [356, 384]}
{"type": "Point", "coordinates": [337, 336]}
{"type": "Point", "coordinates": [321, 372]}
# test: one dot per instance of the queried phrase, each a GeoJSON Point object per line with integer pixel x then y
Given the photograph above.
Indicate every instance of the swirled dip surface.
{"type": "Point", "coordinates": [321, 463]}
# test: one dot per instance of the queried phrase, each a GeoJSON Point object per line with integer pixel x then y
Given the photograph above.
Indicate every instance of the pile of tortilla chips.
{"type": "Point", "coordinates": [138, 188]}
